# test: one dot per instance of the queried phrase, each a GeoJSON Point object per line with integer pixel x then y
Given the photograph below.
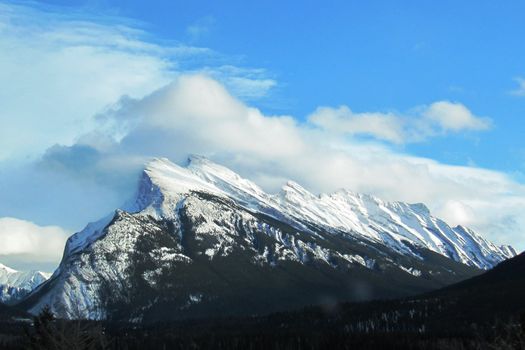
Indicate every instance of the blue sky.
{"type": "Point", "coordinates": [413, 101]}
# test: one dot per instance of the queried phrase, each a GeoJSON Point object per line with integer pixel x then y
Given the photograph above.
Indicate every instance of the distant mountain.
{"type": "Point", "coordinates": [199, 241]}
{"type": "Point", "coordinates": [16, 284]}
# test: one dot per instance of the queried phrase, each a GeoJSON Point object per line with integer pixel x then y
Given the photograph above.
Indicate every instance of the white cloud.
{"type": "Point", "coordinates": [27, 241]}
{"type": "Point", "coordinates": [455, 117]}
{"type": "Point", "coordinates": [200, 110]}
{"type": "Point", "coordinates": [439, 118]}
{"type": "Point", "coordinates": [520, 90]}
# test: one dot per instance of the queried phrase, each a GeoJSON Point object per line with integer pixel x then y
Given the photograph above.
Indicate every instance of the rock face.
{"type": "Point", "coordinates": [14, 285]}
{"type": "Point", "coordinates": [201, 241]}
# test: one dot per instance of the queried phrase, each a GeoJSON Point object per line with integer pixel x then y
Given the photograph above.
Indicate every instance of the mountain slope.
{"type": "Point", "coordinates": [16, 284]}
{"type": "Point", "coordinates": [201, 241]}
{"type": "Point", "coordinates": [497, 292]}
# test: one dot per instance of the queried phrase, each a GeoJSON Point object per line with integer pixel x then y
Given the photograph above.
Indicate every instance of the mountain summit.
{"type": "Point", "coordinates": [200, 240]}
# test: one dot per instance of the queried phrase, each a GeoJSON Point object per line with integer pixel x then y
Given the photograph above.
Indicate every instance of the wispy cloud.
{"type": "Point", "coordinates": [245, 83]}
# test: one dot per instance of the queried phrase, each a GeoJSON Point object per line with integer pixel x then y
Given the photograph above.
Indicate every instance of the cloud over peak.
{"type": "Point", "coordinates": [197, 114]}
{"type": "Point", "coordinates": [198, 108]}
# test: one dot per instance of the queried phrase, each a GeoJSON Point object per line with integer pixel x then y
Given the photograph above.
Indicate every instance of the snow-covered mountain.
{"type": "Point", "coordinates": [16, 284]}
{"type": "Point", "coordinates": [397, 224]}
{"type": "Point", "coordinates": [200, 240]}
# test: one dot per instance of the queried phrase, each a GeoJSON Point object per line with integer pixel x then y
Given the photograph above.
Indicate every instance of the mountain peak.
{"type": "Point", "coordinates": [171, 178]}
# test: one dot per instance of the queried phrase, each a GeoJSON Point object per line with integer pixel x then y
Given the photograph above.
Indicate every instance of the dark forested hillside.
{"type": "Point", "coordinates": [485, 312]}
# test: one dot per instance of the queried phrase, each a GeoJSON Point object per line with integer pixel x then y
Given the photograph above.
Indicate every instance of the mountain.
{"type": "Point", "coordinates": [200, 241]}
{"type": "Point", "coordinates": [16, 284]}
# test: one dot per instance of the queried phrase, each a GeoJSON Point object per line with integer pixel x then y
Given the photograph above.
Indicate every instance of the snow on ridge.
{"type": "Point", "coordinates": [369, 217]}
{"type": "Point", "coordinates": [78, 241]}
{"type": "Point", "coordinates": [175, 180]}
